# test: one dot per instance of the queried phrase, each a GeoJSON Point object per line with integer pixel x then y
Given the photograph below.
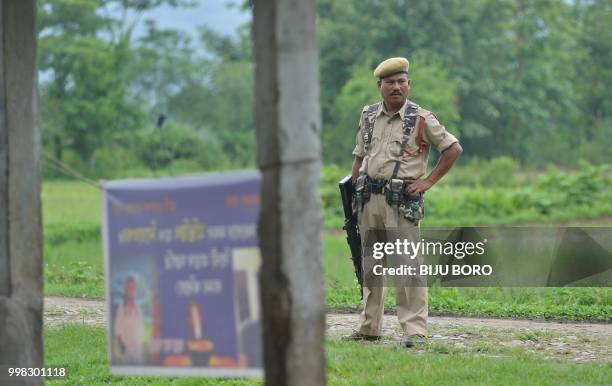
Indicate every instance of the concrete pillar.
{"type": "Point", "coordinates": [289, 156]}
{"type": "Point", "coordinates": [21, 298]}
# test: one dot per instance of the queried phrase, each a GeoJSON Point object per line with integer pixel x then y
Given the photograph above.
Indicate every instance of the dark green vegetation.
{"type": "Point", "coordinates": [526, 80]}
{"type": "Point", "coordinates": [497, 193]}
{"type": "Point", "coordinates": [104, 89]}
{"type": "Point", "coordinates": [349, 364]}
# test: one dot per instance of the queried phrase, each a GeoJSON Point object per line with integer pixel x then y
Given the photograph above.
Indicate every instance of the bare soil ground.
{"type": "Point", "coordinates": [60, 311]}
{"type": "Point", "coordinates": [572, 341]}
{"type": "Point", "coordinates": [575, 341]}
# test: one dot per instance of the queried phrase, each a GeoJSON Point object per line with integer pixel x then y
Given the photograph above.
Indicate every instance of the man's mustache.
{"type": "Point", "coordinates": [396, 93]}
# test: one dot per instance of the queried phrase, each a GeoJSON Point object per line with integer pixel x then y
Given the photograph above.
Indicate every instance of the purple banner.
{"type": "Point", "coordinates": [182, 264]}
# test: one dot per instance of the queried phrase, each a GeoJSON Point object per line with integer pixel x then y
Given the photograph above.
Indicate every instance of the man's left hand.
{"type": "Point", "coordinates": [418, 186]}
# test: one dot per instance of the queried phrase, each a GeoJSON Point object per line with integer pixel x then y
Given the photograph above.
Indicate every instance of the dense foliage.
{"type": "Point", "coordinates": [529, 80]}
{"type": "Point", "coordinates": [495, 192]}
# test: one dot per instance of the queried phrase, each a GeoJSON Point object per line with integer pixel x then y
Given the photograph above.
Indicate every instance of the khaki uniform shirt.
{"type": "Point", "coordinates": [385, 146]}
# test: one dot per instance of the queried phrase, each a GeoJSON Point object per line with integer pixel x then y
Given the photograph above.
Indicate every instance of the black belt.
{"type": "Point", "coordinates": [376, 186]}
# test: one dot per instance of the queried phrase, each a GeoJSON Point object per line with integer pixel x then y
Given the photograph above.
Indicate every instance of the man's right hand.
{"type": "Point", "coordinates": [418, 186]}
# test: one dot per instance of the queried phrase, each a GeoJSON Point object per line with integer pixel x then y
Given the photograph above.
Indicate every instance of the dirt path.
{"type": "Point", "coordinates": [578, 342]}
{"type": "Point", "coordinates": [59, 311]}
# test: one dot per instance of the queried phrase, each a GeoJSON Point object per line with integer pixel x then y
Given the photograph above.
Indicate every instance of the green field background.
{"type": "Point", "coordinates": [74, 263]}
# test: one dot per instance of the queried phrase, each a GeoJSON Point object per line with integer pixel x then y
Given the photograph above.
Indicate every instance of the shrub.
{"type": "Point", "coordinates": [499, 171]}
{"type": "Point", "coordinates": [157, 149]}
{"type": "Point", "coordinates": [330, 193]}
{"type": "Point", "coordinates": [558, 195]}
{"type": "Point", "coordinates": [113, 162]}
{"type": "Point", "coordinates": [587, 186]}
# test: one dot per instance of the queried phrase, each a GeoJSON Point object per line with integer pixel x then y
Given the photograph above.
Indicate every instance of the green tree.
{"type": "Point", "coordinates": [524, 73]}
{"type": "Point", "coordinates": [84, 99]}
{"type": "Point", "coordinates": [594, 81]}
{"type": "Point", "coordinates": [516, 84]}
{"type": "Point", "coordinates": [339, 138]}
{"type": "Point", "coordinates": [220, 106]}
{"type": "Point", "coordinates": [85, 57]}
{"type": "Point", "coordinates": [165, 63]}
{"type": "Point", "coordinates": [353, 31]}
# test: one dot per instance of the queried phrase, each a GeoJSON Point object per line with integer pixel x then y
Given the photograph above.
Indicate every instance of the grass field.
{"type": "Point", "coordinates": [74, 267]}
{"type": "Point", "coordinates": [558, 303]}
{"type": "Point", "coordinates": [349, 363]}
{"type": "Point", "coordinates": [72, 246]}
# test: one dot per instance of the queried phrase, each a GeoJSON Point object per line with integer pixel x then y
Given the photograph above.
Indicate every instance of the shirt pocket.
{"type": "Point", "coordinates": [395, 146]}
{"type": "Point", "coordinates": [375, 143]}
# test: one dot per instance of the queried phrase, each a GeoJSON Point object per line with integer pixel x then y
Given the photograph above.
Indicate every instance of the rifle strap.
{"type": "Point", "coordinates": [369, 119]}
{"type": "Point", "coordinates": [408, 124]}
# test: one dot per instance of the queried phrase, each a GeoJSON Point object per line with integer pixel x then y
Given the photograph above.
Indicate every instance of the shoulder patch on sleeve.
{"type": "Point", "coordinates": [427, 114]}
{"type": "Point", "coordinates": [423, 112]}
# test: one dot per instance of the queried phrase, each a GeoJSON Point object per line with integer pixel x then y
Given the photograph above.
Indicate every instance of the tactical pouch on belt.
{"type": "Point", "coordinates": [412, 207]}
{"type": "Point", "coordinates": [393, 191]}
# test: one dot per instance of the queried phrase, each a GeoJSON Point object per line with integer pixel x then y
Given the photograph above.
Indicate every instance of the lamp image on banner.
{"type": "Point", "coordinates": [182, 264]}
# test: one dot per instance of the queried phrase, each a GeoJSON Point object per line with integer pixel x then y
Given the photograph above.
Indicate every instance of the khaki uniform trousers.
{"type": "Point", "coordinates": [411, 301]}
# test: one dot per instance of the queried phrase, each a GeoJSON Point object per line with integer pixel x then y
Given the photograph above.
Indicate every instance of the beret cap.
{"type": "Point", "coordinates": [391, 66]}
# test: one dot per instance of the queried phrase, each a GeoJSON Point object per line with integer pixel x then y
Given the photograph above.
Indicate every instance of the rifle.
{"type": "Point", "coordinates": [353, 237]}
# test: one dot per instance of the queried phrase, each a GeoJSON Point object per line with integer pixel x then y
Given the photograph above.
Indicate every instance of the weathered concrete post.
{"type": "Point", "coordinates": [289, 156]}
{"type": "Point", "coordinates": [21, 298]}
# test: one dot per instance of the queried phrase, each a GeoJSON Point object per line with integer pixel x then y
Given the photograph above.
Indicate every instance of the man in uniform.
{"type": "Point", "coordinates": [393, 144]}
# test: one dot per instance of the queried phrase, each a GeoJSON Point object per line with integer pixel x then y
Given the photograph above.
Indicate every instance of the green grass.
{"type": "Point", "coordinates": [352, 364]}
{"type": "Point", "coordinates": [82, 349]}
{"type": "Point", "coordinates": [558, 303]}
{"type": "Point", "coordinates": [72, 245]}
{"type": "Point", "coordinates": [71, 202]}
{"type": "Point", "coordinates": [74, 267]}
{"type": "Point", "coordinates": [349, 363]}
